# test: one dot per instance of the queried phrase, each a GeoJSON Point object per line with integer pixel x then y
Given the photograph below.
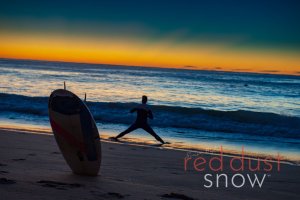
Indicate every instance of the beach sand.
{"type": "Point", "coordinates": [32, 167]}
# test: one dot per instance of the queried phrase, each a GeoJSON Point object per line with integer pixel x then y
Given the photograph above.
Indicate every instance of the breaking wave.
{"type": "Point", "coordinates": [240, 121]}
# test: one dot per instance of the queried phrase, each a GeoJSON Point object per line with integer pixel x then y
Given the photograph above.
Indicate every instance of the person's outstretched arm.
{"type": "Point", "coordinates": [150, 115]}
{"type": "Point", "coordinates": [133, 110]}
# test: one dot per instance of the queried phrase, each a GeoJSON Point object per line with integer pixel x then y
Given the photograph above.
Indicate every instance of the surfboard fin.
{"type": "Point", "coordinates": [64, 85]}
{"type": "Point", "coordinates": [84, 97]}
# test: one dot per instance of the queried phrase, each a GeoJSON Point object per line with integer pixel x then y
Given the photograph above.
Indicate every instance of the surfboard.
{"type": "Point", "coordinates": [75, 132]}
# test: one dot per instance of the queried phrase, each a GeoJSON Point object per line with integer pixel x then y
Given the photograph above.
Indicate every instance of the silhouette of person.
{"type": "Point", "coordinates": [143, 113]}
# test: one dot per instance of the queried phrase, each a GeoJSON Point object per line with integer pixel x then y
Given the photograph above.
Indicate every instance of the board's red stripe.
{"type": "Point", "coordinates": [66, 135]}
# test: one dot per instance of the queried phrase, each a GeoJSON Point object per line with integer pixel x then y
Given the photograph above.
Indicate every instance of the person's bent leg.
{"type": "Point", "coordinates": [131, 128]}
{"type": "Point", "coordinates": [151, 131]}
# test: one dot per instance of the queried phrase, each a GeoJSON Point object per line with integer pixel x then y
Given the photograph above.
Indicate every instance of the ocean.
{"type": "Point", "coordinates": [210, 108]}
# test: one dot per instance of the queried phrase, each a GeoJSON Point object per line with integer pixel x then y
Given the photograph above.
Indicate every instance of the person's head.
{"type": "Point", "coordinates": [144, 99]}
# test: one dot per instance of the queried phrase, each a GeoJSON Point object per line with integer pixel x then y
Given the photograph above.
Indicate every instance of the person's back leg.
{"type": "Point", "coordinates": [131, 128]}
{"type": "Point", "coordinates": [151, 131]}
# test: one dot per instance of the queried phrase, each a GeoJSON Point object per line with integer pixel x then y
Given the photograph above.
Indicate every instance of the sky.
{"type": "Point", "coordinates": [228, 35]}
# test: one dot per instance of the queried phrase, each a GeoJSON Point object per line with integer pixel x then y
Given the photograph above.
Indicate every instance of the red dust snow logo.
{"type": "Point", "coordinates": [236, 170]}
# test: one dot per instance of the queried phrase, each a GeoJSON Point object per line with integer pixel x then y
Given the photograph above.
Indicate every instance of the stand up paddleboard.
{"type": "Point", "coordinates": [75, 132]}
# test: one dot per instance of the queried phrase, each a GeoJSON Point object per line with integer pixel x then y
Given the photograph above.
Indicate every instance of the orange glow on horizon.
{"type": "Point", "coordinates": [106, 50]}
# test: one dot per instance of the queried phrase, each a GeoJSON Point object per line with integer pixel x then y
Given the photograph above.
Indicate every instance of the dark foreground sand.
{"type": "Point", "coordinates": [31, 167]}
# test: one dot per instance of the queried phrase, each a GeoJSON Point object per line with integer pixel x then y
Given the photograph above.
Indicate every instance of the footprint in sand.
{"type": "Point", "coordinates": [5, 181]}
{"type": "Point", "coordinates": [32, 154]}
{"type": "Point", "coordinates": [110, 195]}
{"type": "Point", "coordinates": [117, 179]}
{"type": "Point", "coordinates": [116, 195]}
{"type": "Point", "coordinates": [59, 185]}
{"type": "Point", "coordinates": [4, 172]}
{"type": "Point", "coordinates": [3, 165]}
{"type": "Point", "coordinates": [176, 196]}
{"type": "Point", "coordinates": [18, 159]}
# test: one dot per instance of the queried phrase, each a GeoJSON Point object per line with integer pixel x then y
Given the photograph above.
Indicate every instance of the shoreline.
{"type": "Point", "coordinates": [173, 146]}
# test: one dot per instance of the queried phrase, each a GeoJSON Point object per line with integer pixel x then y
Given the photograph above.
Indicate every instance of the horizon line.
{"type": "Point", "coordinates": [187, 67]}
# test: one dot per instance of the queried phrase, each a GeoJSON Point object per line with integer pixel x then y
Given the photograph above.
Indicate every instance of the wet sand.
{"type": "Point", "coordinates": [32, 167]}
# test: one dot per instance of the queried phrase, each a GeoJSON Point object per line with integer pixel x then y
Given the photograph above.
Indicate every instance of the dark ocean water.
{"type": "Point", "coordinates": [195, 105]}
